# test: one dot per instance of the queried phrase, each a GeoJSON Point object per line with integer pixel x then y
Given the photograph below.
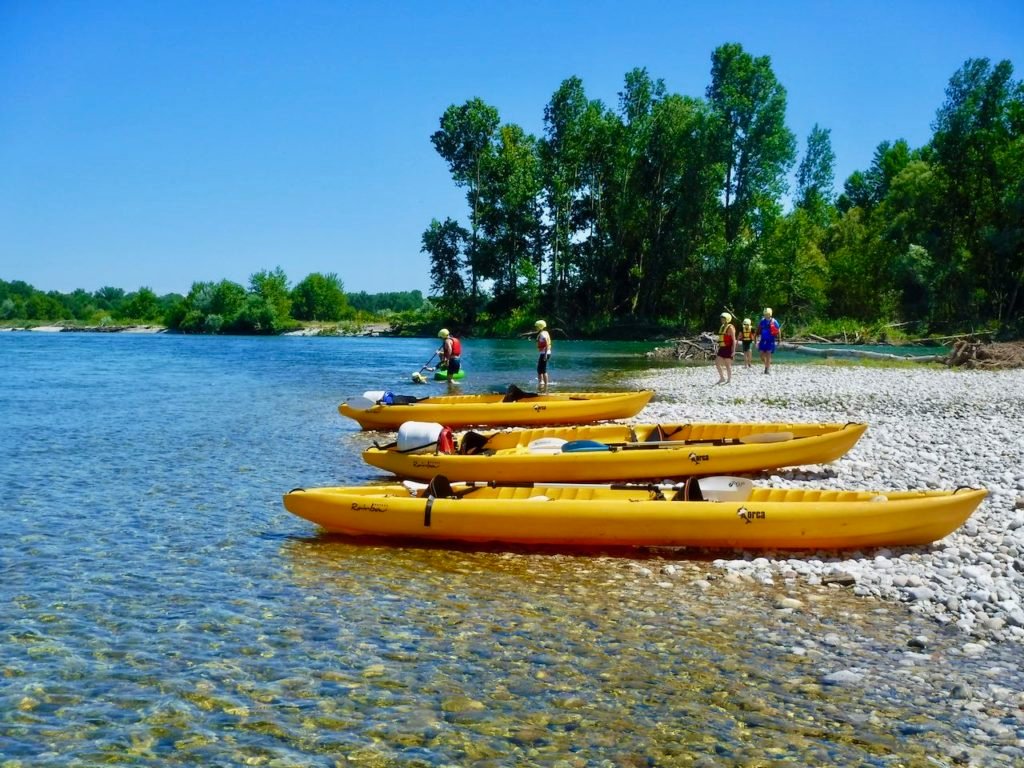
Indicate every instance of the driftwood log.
{"type": "Point", "coordinates": [698, 348]}
{"type": "Point", "coordinates": [967, 353]}
{"type": "Point", "coordinates": [858, 353]}
{"type": "Point", "coordinates": [975, 354]}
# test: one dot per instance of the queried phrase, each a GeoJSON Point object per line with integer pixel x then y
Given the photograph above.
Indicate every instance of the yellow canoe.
{"type": "Point", "coordinates": [755, 518]}
{"type": "Point", "coordinates": [623, 452]}
{"type": "Point", "coordinates": [498, 410]}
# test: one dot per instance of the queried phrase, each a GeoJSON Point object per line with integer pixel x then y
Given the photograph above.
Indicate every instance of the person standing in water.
{"type": "Point", "coordinates": [769, 334]}
{"type": "Point", "coordinates": [543, 352]}
{"type": "Point", "coordinates": [726, 349]}
{"type": "Point", "coordinates": [747, 338]}
{"type": "Point", "coordinates": [450, 352]}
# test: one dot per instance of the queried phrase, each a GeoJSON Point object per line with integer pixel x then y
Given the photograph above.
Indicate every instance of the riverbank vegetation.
{"type": "Point", "coordinates": [654, 216]}
{"type": "Point", "coordinates": [269, 305]}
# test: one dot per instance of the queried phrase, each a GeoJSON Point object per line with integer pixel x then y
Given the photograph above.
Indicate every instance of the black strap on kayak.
{"type": "Point", "coordinates": [426, 512]}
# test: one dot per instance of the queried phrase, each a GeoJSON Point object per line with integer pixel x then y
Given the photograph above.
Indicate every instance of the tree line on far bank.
{"type": "Point", "coordinates": [670, 208]}
{"type": "Point", "coordinates": [269, 305]}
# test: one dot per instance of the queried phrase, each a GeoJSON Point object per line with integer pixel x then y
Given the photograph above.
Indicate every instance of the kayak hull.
{"type": "Point", "coordinates": [601, 516]}
{"type": "Point", "coordinates": [490, 410]}
{"type": "Point", "coordinates": [693, 449]}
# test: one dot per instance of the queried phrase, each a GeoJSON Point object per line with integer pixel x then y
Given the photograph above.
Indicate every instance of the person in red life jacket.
{"type": "Point", "coordinates": [726, 349]}
{"type": "Point", "coordinates": [450, 352]}
{"type": "Point", "coordinates": [747, 339]}
{"type": "Point", "coordinates": [769, 334]}
{"type": "Point", "coordinates": [543, 352]}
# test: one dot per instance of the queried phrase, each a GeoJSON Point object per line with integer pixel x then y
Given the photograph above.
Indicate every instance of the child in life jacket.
{"type": "Point", "coordinates": [747, 339]}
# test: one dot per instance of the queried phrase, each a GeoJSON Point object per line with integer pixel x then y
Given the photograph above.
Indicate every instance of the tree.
{"type": "Point", "coordinates": [319, 297]}
{"type": "Point", "coordinates": [274, 289]}
{"type": "Point", "coordinates": [109, 298]}
{"type": "Point", "coordinates": [756, 150]}
{"type": "Point", "coordinates": [979, 153]}
{"type": "Point", "coordinates": [816, 175]}
{"type": "Point", "coordinates": [510, 218]}
{"type": "Point", "coordinates": [464, 140]}
{"type": "Point", "coordinates": [562, 158]}
{"type": "Point", "coordinates": [444, 244]}
{"type": "Point", "coordinates": [141, 305]}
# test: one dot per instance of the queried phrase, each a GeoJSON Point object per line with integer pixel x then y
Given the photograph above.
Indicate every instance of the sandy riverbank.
{"type": "Point", "coordinates": [928, 428]}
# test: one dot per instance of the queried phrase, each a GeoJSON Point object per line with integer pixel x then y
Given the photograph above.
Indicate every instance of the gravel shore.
{"type": "Point", "coordinates": [928, 428]}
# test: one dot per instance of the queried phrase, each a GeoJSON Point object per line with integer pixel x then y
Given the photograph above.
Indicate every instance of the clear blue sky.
{"type": "Point", "coordinates": [147, 143]}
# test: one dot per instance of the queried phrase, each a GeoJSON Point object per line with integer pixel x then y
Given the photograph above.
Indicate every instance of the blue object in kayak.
{"type": "Point", "coordinates": [584, 446]}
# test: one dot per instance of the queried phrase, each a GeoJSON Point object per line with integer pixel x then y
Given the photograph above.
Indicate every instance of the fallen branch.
{"type": "Point", "coordinates": [859, 353]}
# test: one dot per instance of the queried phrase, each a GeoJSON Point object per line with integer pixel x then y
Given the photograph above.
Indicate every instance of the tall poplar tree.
{"type": "Point", "coordinates": [756, 150]}
{"type": "Point", "coordinates": [815, 177]}
{"type": "Point", "coordinates": [464, 140]}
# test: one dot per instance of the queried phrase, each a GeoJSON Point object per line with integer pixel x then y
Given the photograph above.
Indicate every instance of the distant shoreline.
{"type": "Point", "coordinates": [366, 329]}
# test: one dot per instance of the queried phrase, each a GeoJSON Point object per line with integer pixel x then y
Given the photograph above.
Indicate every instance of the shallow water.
{"type": "Point", "coordinates": [159, 607]}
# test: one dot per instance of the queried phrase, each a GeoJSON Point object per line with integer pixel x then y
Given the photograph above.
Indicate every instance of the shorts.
{"type": "Point", "coordinates": [725, 352]}
{"type": "Point", "coordinates": [766, 345]}
{"type": "Point", "coordinates": [542, 364]}
{"type": "Point", "coordinates": [747, 343]}
{"type": "Point", "coordinates": [454, 366]}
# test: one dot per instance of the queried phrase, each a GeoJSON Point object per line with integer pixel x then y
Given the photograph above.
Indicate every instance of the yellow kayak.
{"type": "Point", "coordinates": [732, 514]}
{"type": "Point", "coordinates": [621, 452]}
{"type": "Point", "coordinates": [508, 410]}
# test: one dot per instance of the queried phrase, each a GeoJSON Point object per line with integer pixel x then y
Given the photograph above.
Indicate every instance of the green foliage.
{"type": "Point", "coordinates": [664, 210]}
{"type": "Point", "coordinates": [382, 303]}
{"type": "Point", "coordinates": [319, 297]}
{"type": "Point", "coordinates": [143, 305]}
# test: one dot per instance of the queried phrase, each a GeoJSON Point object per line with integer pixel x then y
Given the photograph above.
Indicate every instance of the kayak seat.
{"type": "Point", "coordinates": [690, 491]}
{"type": "Point", "coordinates": [440, 487]}
{"type": "Point", "coordinates": [472, 443]}
{"type": "Point", "coordinates": [403, 399]}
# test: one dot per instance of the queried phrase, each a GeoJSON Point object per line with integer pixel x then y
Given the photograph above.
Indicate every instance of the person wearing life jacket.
{"type": "Point", "coordinates": [726, 349]}
{"type": "Point", "coordinates": [450, 352]}
{"type": "Point", "coordinates": [543, 352]}
{"type": "Point", "coordinates": [747, 338]}
{"type": "Point", "coordinates": [769, 334]}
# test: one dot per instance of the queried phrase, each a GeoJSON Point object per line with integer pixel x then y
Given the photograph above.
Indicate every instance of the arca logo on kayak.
{"type": "Point", "coordinates": [697, 458]}
{"type": "Point", "coordinates": [749, 515]}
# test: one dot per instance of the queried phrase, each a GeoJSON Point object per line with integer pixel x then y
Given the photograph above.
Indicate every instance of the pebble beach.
{"type": "Point", "coordinates": [928, 428]}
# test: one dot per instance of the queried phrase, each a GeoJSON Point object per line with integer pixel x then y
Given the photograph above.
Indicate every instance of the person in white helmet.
{"type": "Point", "coordinates": [769, 334]}
{"type": "Point", "coordinates": [747, 336]}
{"type": "Point", "coordinates": [450, 352]}
{"type": "Point", "coordinates": [543, 352]}
{"type": "Point", "coordinates": [726, 349]}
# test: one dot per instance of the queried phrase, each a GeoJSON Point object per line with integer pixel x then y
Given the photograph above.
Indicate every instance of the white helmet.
{"type": "Point", "coordinates": [443, 333]}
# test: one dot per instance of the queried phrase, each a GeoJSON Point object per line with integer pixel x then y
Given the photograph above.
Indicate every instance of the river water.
{"type": "Point", "coordinates": [158, 606]}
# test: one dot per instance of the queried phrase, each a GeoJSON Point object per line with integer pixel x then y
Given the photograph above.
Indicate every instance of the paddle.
{"type": "Point", "coordinates": [713, 488]}
{"type": "Point", "coordinates": [364, 403]}
{"type": "Point", "coordinates": [424, 366]}
{"type": "Point", "coordinates": [583, 446]}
